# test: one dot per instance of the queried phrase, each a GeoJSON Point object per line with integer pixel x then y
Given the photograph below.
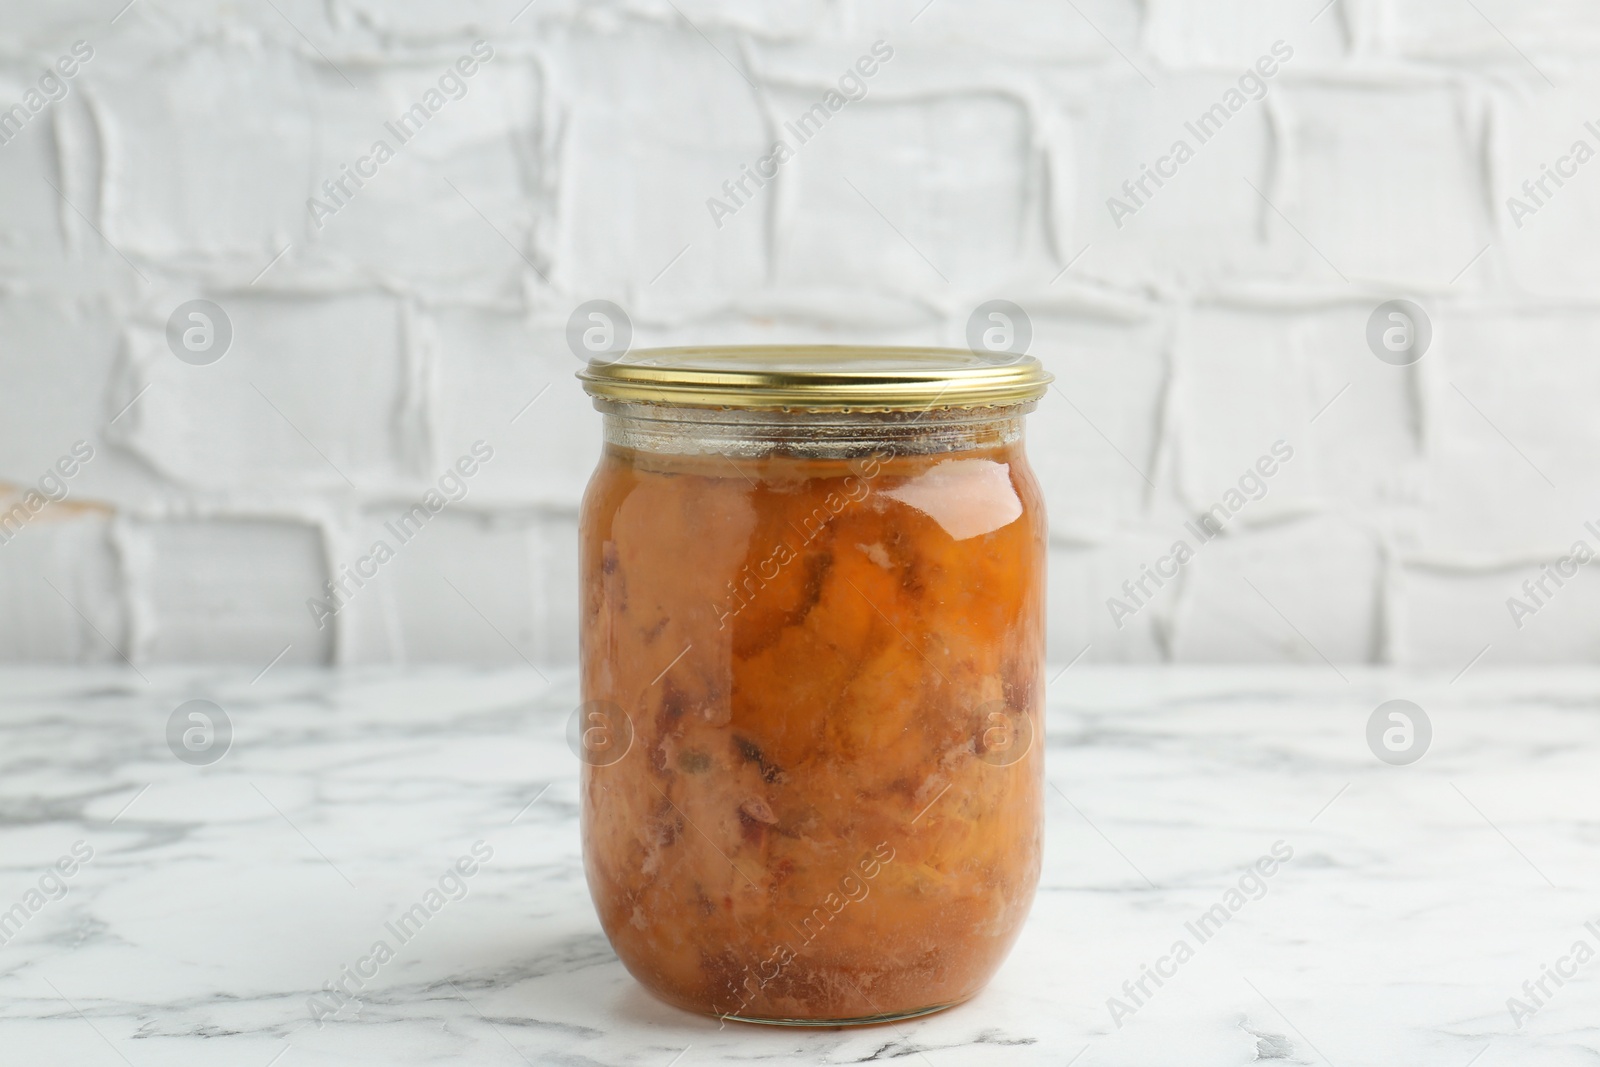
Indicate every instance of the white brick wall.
{"type": "Point", "coordinates": [371, 350]}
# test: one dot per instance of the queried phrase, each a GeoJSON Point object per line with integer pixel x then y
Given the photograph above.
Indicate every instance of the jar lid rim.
{"type": "Point", "coordinates": [818, 377]}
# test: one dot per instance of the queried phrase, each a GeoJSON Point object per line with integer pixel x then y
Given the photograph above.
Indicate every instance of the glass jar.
{"type": "Point", "coordinates": [812, 644]}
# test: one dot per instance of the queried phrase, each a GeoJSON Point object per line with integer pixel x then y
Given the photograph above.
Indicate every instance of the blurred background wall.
{"type": "Point", "coordinates": [370, 333]}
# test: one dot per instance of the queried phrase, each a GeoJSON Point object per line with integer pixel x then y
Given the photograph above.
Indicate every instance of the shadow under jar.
{"type": "Point", "coordinates": [812, 645]}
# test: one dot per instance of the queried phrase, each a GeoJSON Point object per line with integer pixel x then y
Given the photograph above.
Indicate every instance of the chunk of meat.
{"type": "Point", "coordinates": [810, 825]}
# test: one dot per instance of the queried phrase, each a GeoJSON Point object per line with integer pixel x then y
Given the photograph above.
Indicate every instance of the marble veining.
{"type": "Point", "coordinates": [218, 900]}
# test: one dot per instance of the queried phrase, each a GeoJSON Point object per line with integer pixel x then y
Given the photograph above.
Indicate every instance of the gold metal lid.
{"type": "Point", "coordinates": [818, 378]}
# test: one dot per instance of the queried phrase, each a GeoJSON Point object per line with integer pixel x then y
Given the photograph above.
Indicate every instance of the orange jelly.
{"type": "Point", "coordinates": [812, 648]}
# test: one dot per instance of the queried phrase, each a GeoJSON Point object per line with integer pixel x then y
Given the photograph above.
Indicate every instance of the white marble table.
{"type": "Point", "coordinates": [219, 898]}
